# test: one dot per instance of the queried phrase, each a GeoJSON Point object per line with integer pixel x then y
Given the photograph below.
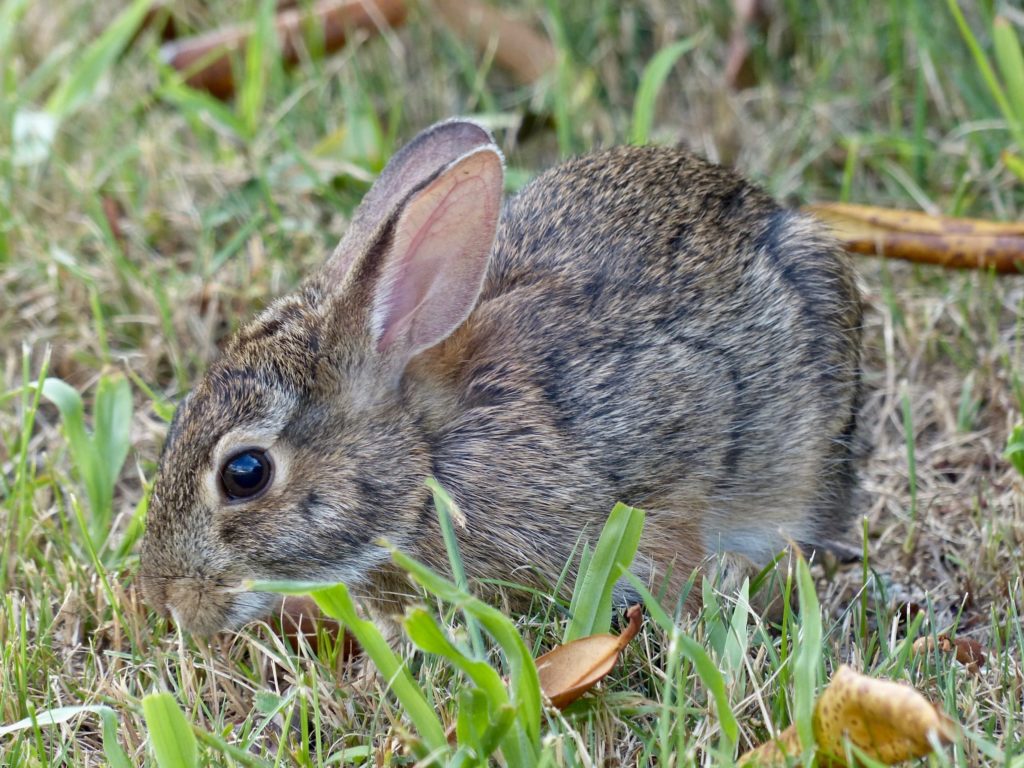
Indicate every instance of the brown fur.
{"type": "Point", "coordinates": [652, 329]}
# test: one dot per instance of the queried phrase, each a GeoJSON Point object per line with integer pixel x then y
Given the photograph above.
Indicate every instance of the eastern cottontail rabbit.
{"type": "Point", "coordinates": [635, 325]}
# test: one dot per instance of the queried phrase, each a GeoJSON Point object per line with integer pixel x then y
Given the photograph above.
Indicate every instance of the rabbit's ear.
{"type": "Point", "coordinates": [432, 150]}
{"type": "Point", "coordinates": [421, 276]}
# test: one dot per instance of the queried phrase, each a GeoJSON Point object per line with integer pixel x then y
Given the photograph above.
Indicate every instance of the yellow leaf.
{"type": "Point", "coordinates": [889, 721]}
{"type": "Point", "coordinates": [775, 751]}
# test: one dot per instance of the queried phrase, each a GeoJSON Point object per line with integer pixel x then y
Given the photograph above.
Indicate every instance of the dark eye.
{"type": "Point", "coordinates": [246, 474]}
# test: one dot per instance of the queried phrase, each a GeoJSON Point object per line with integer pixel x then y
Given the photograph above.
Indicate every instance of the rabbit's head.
{"type": "Point", "coordinates": [296, 451]}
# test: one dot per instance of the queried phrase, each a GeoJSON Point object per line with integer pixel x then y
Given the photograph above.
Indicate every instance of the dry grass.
{"type": "Point", "coordinates": [876, 101]}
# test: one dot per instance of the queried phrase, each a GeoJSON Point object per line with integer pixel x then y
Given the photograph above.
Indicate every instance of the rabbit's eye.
{"type": "Point", "coordinates": [246, 474]}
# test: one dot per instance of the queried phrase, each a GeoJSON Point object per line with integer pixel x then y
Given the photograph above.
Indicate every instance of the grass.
{"type": "Point", "coordinates": [156, 221]}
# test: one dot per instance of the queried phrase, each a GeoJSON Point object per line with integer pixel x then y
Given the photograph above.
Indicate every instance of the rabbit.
{"type": "Point", "coordinates": [635, 325]}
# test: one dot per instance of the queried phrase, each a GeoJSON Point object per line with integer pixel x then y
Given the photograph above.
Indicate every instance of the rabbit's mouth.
{"type": "Point", "coordinates": [202, 606]}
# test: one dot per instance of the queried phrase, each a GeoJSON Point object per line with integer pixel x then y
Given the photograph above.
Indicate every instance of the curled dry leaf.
{"type": "Point", "coordinates": [568, 671]}
{"type": "Point", "coordinates": [779, 751]}
{"type": "Point", "coordinates": [300, 619]}
{"type": "Point", "coordinates": [519, 49]}
{"type": "Point", "coordinates": [888, 721]}
{"type": "Point", "coordinates": [919, 237]}
{"type": "Point", "coordinates": [968, 652]}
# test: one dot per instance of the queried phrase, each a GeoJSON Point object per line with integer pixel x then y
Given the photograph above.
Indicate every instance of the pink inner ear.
{"type": "Point", "coordinates": [432, 150]}
{"type": "Point", "coordinates": [438, 258]}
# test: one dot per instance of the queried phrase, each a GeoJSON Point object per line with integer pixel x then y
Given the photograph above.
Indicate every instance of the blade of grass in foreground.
{"type": "Point", "coordinates": [170, 734]}
{"type": "Point", "coordinates": [446, 511]}
{"type": "Point", "coordinates": [19, 497]}
{"type": "Point", "coordinates": [523, 678]}
{"type": "Point", "coordinates": [336, 603]}
{"type": "Point", "coordinates": [701, 660]}
{"type": "Point", "coordinates": [806, 659]}
{"type": "Point", "coordinates": [424, 631]}
{"type": "Point", "coordinates": [591, 606]}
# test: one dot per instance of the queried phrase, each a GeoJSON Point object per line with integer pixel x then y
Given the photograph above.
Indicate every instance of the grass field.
{"type": "Point", "coordinates": [155, 222]}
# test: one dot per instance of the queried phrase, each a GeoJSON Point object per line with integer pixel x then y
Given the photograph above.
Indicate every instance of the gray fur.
{"type": "Point", "coordinates": [652, 329]}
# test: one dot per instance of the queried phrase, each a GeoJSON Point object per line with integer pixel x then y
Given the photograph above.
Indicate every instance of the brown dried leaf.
{"type": "Point", "coordinates": [205, 60]}
{"type": "Point", "coordinates": [748, 17]}
{"type": "Point", "coordinates": [568, 671]}
{"type": "Point", "coordinates": [301, 619]}
{"type": "Point", "coordinates": [919, 237]}
{"type": "Point", "coordinates": [778, 751]}
{"type": "Point", "coordinates": [889, 721]}
{"type": "Point", "coordinates": [519, 49]}
{"type": "Point", "coordinates": [968, 652]}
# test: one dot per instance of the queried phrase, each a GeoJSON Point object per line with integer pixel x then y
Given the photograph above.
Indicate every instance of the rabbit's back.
{"type": "Point", "coordinates": [669, 337]}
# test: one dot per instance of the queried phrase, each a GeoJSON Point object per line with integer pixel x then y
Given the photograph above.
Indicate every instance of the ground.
{"type": "Point", "coordinates": [156, 223]}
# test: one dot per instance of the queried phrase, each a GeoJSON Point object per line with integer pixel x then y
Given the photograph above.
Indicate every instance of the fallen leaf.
{"type": "Point", "coordinates": [919, 237]}
{"type": "Point", "coordinates": [968, 652]}
{"type": "Point", "coordinates": [778, 751]}
{"type": "Point", "coordinates": [205, 60]}
{"type": "Point", "coordinates": [300, 619]}
{"type": "Point", "coordinates": [890, 722]}
{"type": "Point", "coordinates": [568, 671]}
{"type": "Point", "coordinates": [749, 17]}
{"type": "Point", "coordinates": [518, 48]}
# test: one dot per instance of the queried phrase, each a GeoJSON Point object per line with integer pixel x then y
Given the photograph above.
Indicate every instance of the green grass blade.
{"type": "Point", "coordinates": [116, 757]}
{"type": "Point", "coordinates": [112, 423]}
{"type": "Point", "coordinates": [706, 668]}
{"type": "Point", "coordinates": [97, 58]}
{"type": "Point", "coordinates": [471, 721]}
{"type": "Point", "coordinates": [524, 681]}
{"type": "Point", "coordinates": [445, 508]}
{"type": "Point", "coordinates": [18, 496]}
{"type": "Point", "coordinates": [203, 109]}
{"type": "Point", "coordinates": [11, 12]}
{"type": "Point", "coordinates": [336, 603]}
{"type": "Point", "coordinates": [98, 458]}
{"type": "Point", "coordinates": [651, 83]}
{"type": "Point", "coordinates": [1015, 448]}
{"type": "Point", "coordinates": [258, 52]}
{"type": "Point", "coordinates": [806, 658]}
{"type": "Point", "coordinates": [424, 631]}
{"type": "Point", "coordinates": [170, 734]}
{"type": "Point", "coordinates": [80, 444]}
{"type": "Point", "coordinates": [987, 73]}
{"type": "Point", "coordinates": [592, 594]}
{"type": "Point", "coordinates": [1010, 61]}
{"type": "Point", "coordinates": [563, 81]}
{"type": "Point", "coordinates": [132, 532]}
{"type": "Point", "coordinates": [1015, 163]}
{"type": "Point", "coordinates": [736, 640]}
{"type": "Point", "coordinates": [480, 728]}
